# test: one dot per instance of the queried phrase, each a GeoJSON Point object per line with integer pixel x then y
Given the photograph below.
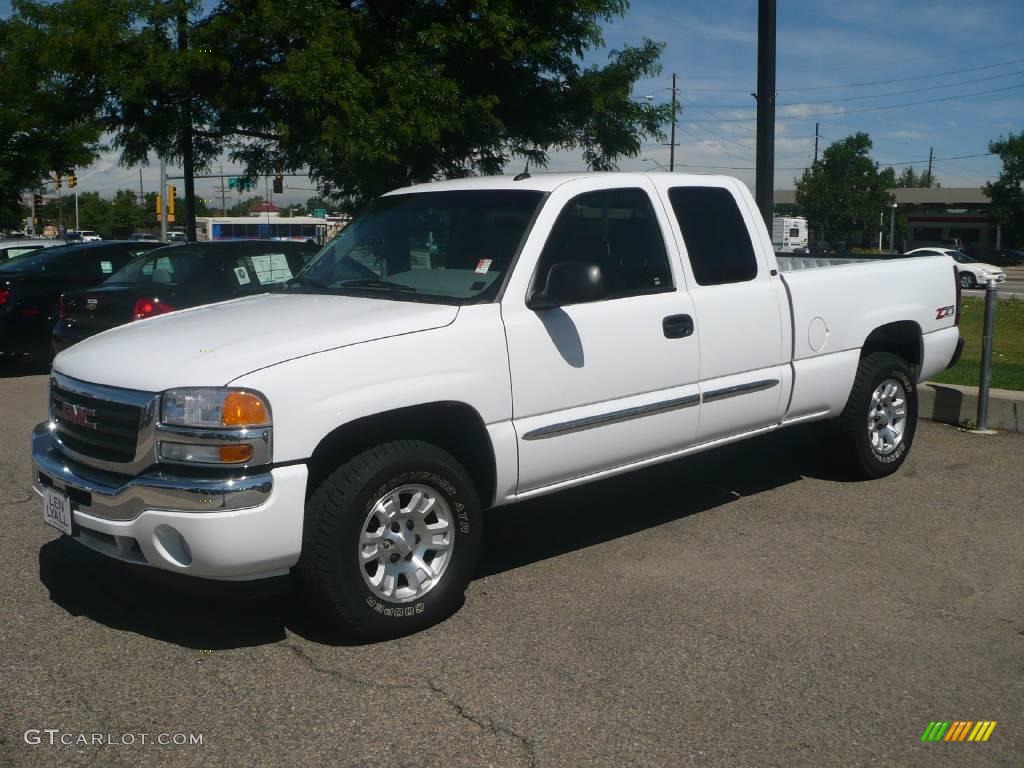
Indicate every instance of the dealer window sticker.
{"type": "Point", "coordinates": [242, 275]}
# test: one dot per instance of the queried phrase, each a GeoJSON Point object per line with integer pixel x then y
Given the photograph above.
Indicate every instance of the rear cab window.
{"type": "Point", "coordinates": [717, 238]}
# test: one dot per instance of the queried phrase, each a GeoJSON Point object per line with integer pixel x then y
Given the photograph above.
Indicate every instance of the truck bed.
{"type": "Point", "coordinates": [790, 263]}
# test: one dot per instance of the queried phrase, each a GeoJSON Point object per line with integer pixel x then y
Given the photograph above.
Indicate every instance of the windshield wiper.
{"type": "Point", "coordinates": [300, 280]}
{"type": "Point", "coordinates": [369, 282]}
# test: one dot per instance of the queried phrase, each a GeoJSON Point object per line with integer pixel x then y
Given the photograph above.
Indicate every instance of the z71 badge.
{"type": "Point", "coordinates": [942, 312]}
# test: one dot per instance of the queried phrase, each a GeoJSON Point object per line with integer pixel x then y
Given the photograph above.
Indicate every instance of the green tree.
{"type": "Point", "coordinates": [844, 191]}
{"type": "Point", "coordinates": [375, 95]}
{"type": "Point", "coordinates": [47, 119]}
{"type": "Point", "coordinates": [125, 214]}
{"type": "Point", "coordinates": [1007, 193]}
{"type": "Point", "coordinates": [908, 179]}
{"type": "Point", "coordinates": [242, 207]}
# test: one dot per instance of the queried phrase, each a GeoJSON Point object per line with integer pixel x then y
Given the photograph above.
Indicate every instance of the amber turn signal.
{"type": "Point", "coordinates": [243, 409]}
{"type": "Point", "coordinates": [235, 454]}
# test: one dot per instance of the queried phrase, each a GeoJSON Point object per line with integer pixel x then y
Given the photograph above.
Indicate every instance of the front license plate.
{"type": "Point", "coordinates": [57, 510]}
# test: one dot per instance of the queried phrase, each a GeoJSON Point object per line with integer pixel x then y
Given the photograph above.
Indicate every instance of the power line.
{"type": "Point", "coordinates": [865, 96]}
{"type": "Point", "coordinates": [862, 84]}
{"type": "Point", "coordinates": [943, 55]}
{"type": "Point", "coordinates": [903, 79]}
{"type": "Point", "coordinates": [880, 108]}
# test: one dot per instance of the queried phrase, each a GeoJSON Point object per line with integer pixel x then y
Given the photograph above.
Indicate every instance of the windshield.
{"type": "Point", "coordinates": [45, 260]}
{"type": "Point", "coordinates": [963, 258]}
{"type": "Point", "coordinates": [430, 246]}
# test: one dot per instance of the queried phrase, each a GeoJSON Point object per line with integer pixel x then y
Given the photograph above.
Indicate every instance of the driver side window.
{"type": "Point", "coordinates": [615, 229]}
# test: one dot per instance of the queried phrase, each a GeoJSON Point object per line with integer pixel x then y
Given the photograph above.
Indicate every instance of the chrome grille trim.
{"type": "Point", "coordinates": [144, 455]}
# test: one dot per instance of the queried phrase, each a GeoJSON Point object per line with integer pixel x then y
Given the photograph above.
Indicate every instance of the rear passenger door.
{"type": "Point", "coordinates": [739, 305]}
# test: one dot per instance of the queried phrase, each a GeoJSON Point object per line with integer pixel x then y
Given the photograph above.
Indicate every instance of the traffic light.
{"type": "Point", "coordinates": [37, 201]}
{"type": "Point", "coordinates": [72, 180]}
{"type": "Point", "coordinates": [56, 181]}
{"type": "Point", "coordinates": [159, 207]}
{"type": "Point", "coordinates": [278, 185]}
{"type": "Point", "coordinates": [327, 188]}
{"type": "Point", "coordinates": [171, 193]}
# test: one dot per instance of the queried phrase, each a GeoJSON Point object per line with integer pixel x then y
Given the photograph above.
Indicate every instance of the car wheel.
{"type": "Point", "coordinates": [391, 540]}
{"type": "Point", "coordinates": [967, 280]}
{"type": "Point", "coordinates": [877, 426]}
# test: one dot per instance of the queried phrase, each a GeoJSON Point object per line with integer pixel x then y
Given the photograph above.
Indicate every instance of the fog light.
{"type": "Point", "coordinates": [206, 454]}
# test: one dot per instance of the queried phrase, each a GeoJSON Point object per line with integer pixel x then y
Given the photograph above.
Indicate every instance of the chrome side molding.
{"type": "Point", "coordinates": [589, 422]}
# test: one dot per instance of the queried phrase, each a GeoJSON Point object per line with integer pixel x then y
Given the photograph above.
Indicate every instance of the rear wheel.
{"type": "Point", "coordinates": [391, 540]}
{"type": "Point", "coordinates": [877, 426]}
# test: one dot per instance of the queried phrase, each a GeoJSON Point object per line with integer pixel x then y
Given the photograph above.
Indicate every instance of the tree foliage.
{"type": "Point", "coordinates": [367, 95]}
{"type": "Point", "coordinates": [908, 178]}
{"type": "Point", "coordinates": [844, 191]}
{"type": "Point", "coordinates": [47, 122]}
{"type": "Point", "coordinates": [1007, 192]}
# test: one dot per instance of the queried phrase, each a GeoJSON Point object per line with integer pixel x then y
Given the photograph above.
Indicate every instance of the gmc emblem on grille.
{"type": "Point", "coordinates": [78, 414]}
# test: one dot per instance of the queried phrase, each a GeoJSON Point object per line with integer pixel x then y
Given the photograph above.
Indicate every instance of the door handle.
{"type": "Point", "coordinates": [677, 326]}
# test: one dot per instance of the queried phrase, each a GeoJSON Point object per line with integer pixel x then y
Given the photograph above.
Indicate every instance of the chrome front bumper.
{"type": "Point", "coordinates": [113, 497]}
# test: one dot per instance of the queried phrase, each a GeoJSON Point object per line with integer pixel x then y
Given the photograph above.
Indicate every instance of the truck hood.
{"type": "Point", "coordinates": [214, 344]}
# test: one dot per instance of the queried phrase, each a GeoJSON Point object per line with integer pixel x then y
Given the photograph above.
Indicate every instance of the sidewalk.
{"type": "Point", "coordinates": [955, 404]}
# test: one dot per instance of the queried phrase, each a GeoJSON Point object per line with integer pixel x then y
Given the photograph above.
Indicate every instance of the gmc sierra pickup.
{"type": "Point", "coordinates": [514, 337]}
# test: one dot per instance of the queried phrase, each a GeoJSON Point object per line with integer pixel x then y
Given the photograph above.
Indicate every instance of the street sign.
{"type": "Point", "coordinates": [320, 213]}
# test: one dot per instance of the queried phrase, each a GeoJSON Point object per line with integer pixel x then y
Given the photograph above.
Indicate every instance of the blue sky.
{"type": "Point", "coordinates": [929, 49]}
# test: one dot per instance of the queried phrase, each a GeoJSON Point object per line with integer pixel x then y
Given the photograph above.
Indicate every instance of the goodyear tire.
{"type": "Point", "coordinates": [876, 428]}
{"type": "Point", "coordinates": [391, 540]}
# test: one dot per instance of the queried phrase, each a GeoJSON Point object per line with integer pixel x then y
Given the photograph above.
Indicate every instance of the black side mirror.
{"type": "Point", "coordinates": [570, 282]}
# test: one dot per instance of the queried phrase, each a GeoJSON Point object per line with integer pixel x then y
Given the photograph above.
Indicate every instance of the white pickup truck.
{"type": "Point", "coordinates": [464, 345]}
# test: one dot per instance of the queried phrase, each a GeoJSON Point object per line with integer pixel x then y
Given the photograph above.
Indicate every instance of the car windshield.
{"type": "Point", "coordinates": [450, 247]}
{"type": "Point", "coordinates": [164, 265]}
{"type": "Point", "coordinates": [44, 260]}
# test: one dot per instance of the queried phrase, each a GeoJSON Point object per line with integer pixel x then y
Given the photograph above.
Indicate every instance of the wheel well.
{"type": "Point", "coordinates": [902, 338]}
{"type": "Point", "coordinates": [452, 426]}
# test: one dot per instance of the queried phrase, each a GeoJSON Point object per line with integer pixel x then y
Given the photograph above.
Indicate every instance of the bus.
{"type": "Point", "coordinates": [307, 229]}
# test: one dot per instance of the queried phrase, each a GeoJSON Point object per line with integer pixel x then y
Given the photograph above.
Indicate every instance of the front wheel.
{"type": "Point", "coordinates": [876, 428]}
{"type": "Point", "coordinates": [391, 540]}
{"type": "Point", "coordinates": [967, 280]}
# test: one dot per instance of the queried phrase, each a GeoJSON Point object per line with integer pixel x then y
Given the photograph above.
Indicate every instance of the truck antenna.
{"type": "Point", "coordinates": [525, 174]}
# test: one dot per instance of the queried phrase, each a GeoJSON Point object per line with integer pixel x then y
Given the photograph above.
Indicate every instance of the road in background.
{"type": "Point", "coordinates": [1013, 288]}
{"type": "Point", "coordinates": [746, 607]}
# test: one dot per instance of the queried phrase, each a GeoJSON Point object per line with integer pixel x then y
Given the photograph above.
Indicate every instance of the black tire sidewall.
{"type": "Point", "coordinates": [888, 367]}
{"type": "Point", "coordinates": [370, 615]}
{"type": "Point", "coordinates": [972, 281]}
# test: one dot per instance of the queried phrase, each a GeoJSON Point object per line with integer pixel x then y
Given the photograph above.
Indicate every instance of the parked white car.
{"type": "Point", "coordinates": [972, 273]}
{"type": "Point", "coordinates": [565, 328]}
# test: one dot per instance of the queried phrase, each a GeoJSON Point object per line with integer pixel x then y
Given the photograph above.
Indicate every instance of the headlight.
{"type": "Point", "coordinates": [215, 407]}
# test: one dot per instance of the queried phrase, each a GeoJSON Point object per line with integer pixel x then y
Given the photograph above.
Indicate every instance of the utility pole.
{"type": "Point", "coordinates": [162, 197]}
{"type": "Point", "coordinates": [672, 138]}
{"type": "Point", "coordinates": [931, 156]}
{"type": "Point", "coordinates": [816, 141]}
{"type": "Point", "coordinates": [142, 194]}
{"type": "Point", "coordinates": [765, 162]}
{"type": "Point", "coordinates": [223, 194]}
{"type": "Point", "coordinates": [187, 156]}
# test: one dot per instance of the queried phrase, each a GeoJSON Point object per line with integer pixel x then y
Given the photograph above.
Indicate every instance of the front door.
{"type": "Point", "coordinates": [608, 383]}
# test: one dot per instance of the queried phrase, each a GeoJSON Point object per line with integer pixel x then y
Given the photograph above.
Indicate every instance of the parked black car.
{"type": "Point", "coordinates": [31, 286]}
{"type": "Point", "coordinates": [1006, 258]}
{"type": "Point", "coordinates": [176, 277]}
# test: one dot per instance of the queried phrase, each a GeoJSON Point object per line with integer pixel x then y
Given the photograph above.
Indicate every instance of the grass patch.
{"type": "Point", "coordinates": [1007, 345]}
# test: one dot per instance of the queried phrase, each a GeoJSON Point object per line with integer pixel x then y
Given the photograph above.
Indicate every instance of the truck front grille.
{"type": "Point", "coordinates": [94, 427]}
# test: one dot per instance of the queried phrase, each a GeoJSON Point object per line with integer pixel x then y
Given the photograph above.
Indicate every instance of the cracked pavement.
{"type": "Point", "coordinates": [741, 608]}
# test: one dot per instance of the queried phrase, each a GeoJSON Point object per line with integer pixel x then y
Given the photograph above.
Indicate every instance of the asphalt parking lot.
{"type": "Point", "coordinates": [746, 607]}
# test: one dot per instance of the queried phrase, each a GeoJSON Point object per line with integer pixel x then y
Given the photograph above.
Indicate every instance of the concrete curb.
{"type": "Point", "coordinates": [954, 404]}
